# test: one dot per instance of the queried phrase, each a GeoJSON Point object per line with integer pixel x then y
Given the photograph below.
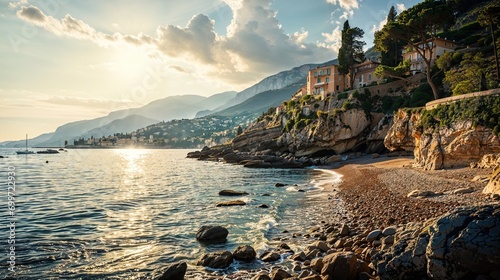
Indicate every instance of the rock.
{"type": "Point", "coordinates": [419, 193]}
{"type": "Point", "coordinates": [232, 193]}
{"type": "Point", "coordinates": [488, 161]}
{"type": "Point", "coordinates": [463, 191]}
{"type": "Point", "coordinates": [334, 158]}
{"type": "Point", "coordinates": [261, 276]}
{"type": "Point", "coordinates": [340, 266]}
{"type": "Point", "coordinates": [232, 158]}
{"type": "Point", "coordinates": [493, 186]}
{"type": "Point", "coordinates": [388, 240]}
{"type": "Point", "coordinates": [279, 274]}
{"type": "Point", "coordinates": [458, 245]}
{"type": "Point", "coordinates": [344, 230]}
{"type": "Point", "coordinates": [279, 185]}
{"type": "Point", "coordinates": [244, 253]}
{"type": "Point", "coordinates": [174, 271]}
{"type": "Point", "coordinates": [301, 256]}
{"type": "Point", "coordinates": [317, 265]}
{"type": "Point", "coordinates": [339, 243]}
{"type": "Point", "coordinates": [389, 231]}
{"type": "Point", "coordinates": [257, 164]}
{"type": "Point", "coordinates": [212, 233]}
{"type": "Point", "coordinates": [481, 179]}
{"type": "Point", "coordinates": [284, 246]}
{"type": "Point", "coordinates": [321, 245]}
{"type": "Point", "coordinates": [263, 206]}
{"type": "Point", "coordinates": [373, 235]}
{"type": "Point", "coordinates": [231, 203]}
{"type": "Point", "coordinates": [220, 259]}
{"type": "Point", "coordinates": [270, 256]}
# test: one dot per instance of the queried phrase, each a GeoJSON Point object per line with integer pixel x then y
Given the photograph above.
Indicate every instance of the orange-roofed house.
{"type": "Point", "coordinates": [365, 73]}
{"type": "Point", "coordinates": [326, 79]}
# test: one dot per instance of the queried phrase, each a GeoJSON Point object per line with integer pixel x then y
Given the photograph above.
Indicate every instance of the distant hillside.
{"type": "Point", "coordinates": [261, 102]}
{"type": "Point", "coordinates": [173, 107]}
{"type": "Point", "coordinates": [274, 82]}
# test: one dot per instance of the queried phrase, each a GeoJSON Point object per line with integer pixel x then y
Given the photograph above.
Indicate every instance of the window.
{"type": "Point", "coordinates": [369, 77]}
{"type": "Point", "coordinates": [315, 73]}
{"type": "Point", "coordinates": [327, 80]}
{"type": "Point", "coordinates": [328, 72]}
{"type": "Point", "coordinates": [338, 88]}
{"type": "Point", "coordinates": [360, 78]}
{"type": "Point", "coordinates": [318, 80]}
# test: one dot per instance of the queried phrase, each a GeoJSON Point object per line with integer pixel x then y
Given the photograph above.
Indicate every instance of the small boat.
{"type": "Point", "coordinates": [25, 152]}
{"type": "Point", "coordinates": [48, 151]}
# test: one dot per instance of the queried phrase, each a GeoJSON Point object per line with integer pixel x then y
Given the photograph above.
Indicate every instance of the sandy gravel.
{"type": "Point", "coordinates": [375, 191]}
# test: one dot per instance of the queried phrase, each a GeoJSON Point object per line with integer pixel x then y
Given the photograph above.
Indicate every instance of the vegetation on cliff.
{"type": "Point", "coordinates": [481, 111]}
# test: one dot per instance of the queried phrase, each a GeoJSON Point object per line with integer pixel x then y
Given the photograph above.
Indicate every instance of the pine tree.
{"type": "Point", "coordinates": [351, 50]}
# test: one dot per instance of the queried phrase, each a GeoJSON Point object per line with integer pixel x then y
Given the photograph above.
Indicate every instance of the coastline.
{"type": "Point", "coordinates": [365, 195]}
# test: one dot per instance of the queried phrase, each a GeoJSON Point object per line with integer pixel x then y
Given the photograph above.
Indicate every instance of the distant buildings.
{"type": "Point", "coordinates": [438, 46]}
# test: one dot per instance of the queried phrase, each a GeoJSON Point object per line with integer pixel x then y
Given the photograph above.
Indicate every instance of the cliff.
{"type": "Point", "coordinates": [311, 126]}
{"type": "Point", "coordinates": [449, 136]}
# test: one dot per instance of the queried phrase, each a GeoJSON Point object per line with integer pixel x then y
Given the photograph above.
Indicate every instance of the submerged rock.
{"type": "Point", "coordinates": [244, 253]}
{"type": "Point", "coordinates": [212, 233]}
{"type": "Point", "coordinates": [174, 271]}
{"type": "Point", "coordinates": [231, 203]}
{"type": "Point", "coordinates": [221, 259]}
{"type": "Point", "coordinates": [231, 193]}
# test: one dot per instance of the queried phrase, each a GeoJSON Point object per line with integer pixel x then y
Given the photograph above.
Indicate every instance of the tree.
{"type": "Point", "coordinates": [418, 27]}
{"type": "Point", "coordinates": [468, 77]}
{"type": "Point", "coordinates": [490, 16]}
{"type": "Point", "coordinates": [65, 143]}
{"type": "Point", "coordinates": [351, 51]}
{"type": "Point", "coordinates": [390, 49]}
{"type": "Point", "coordinates": [397, 72]}
{"type": "Point", "coordinates": [239, 131]}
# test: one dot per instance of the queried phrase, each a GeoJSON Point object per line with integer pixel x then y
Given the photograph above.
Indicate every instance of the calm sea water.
{"type": "Point", "coordinates": [122, 214]}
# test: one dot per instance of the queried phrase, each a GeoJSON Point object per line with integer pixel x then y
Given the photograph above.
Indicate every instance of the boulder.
{"type": "Point", "coordinates": [257, 164]}
{"type": "Point", "coordinates": [231, 203]}
{"type": "Point", "coordinates": [220, 259]}
{"type": "Point", "coordinates": [340, 266]}
{"type": "Point", "coordinates": [174, 271]}
{"type": "Point", "coordinates": [279, 185]}
{"type": "Point", "coordinates": [244, 253]}
{"type": "Point", "coordinates": [212, 233]}
{"type": "Point", "coordinates": [462, 244]}
{"type": "Point", "coordinates": [493, 186]}
{"type": "Point", "coordinates": [232, 158]}
{"type": "Point", "coordinates": [261, 276]}
{"type": "Point", "coordinates": [279, 274]}
{"type": "Point", "coordinates": [269, 256]}
{"type": "Point", "coordinates": [231, 193]}
{"type": "Point", "coordinates": [344, 230]}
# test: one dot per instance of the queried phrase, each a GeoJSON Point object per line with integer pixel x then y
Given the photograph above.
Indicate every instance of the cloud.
{"type": "Point", "coordinates": [379, 26]}
{"type": "Point", "coordinates": [254, 45]}
{"type": "Point", "coordinates": [98, 103]}
{"type": "Point", "coordinates": [400, 7]}
{"type": "Point", "coordinates": [347, 14]}
{"type": "Point", "coordinates": [345, 4]}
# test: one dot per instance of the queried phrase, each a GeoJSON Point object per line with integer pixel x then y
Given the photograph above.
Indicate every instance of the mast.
{"type": "Point", "coordinates": [26, 141]}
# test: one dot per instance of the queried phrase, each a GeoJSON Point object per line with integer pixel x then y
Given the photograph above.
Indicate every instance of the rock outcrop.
{"type": "Point", "coordinates": [244, 253]}
{"type": "Point", "coordinates": [459, 245]}
{"type": "Point", "coordinates": [444, 147]}
{"type": "Point", "coordinates": [493, 186]}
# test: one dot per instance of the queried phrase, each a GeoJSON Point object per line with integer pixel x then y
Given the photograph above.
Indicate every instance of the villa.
{"type": "Point", "coordinates": [326, 79]}
{"type": "Point", "coordinates": [365, 73]}
{"type": "Point", "coordinates": [438, 46]}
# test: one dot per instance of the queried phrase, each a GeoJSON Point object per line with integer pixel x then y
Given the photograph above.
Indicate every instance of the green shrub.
{"type": "Point", "coordinates": [342, 95]}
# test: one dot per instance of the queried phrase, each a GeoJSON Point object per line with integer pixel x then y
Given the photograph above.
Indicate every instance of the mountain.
{"type": "Point", "coordinates": [127, 124]}
{"type": "Point", "coordinates": [263, 101]}
{"type": "Point", "coordinates": [172, 107]}
{"type": "Point", "coordinates": [274, 82]}
{"type": "Point", "coordinates": [32, 142]}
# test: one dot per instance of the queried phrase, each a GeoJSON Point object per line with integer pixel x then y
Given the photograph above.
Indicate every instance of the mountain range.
{"type": "Point", "coordinates": [269, 92]}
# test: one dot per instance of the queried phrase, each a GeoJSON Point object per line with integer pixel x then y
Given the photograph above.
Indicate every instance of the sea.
{"type": "Point", "coordinates": [129, 213]}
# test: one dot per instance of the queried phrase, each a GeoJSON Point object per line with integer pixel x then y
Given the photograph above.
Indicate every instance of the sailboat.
{"type": "Point", "coordinates": [25, 152]}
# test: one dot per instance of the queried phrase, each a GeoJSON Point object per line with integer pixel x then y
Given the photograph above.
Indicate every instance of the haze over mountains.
{"type": "Point", "coordinates": [269, 92]}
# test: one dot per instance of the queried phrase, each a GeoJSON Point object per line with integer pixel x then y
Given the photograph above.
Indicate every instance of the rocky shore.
{"type": "Point", "coordinates": [393, 222]}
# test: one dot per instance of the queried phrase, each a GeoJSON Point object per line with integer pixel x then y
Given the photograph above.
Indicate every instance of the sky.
{"type": "Point", "coordinates": [64, 61]}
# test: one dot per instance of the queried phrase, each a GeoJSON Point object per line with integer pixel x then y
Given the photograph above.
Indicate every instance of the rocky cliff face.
{"type": "Point", "coordinates": [451, 146]}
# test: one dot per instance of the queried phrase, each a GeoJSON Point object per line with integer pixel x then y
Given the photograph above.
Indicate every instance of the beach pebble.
{"type": "Point", "coordinates": [344, 230]}
{"type": "Point", "coordinates": [261, 276]}
{"type": "Point", "coordinates": [301, 256]}
{"type": "Point", "coordinates": [280, 274]}
{"type": "Point", "coordinates": [389, 231]}
{"type": "Point", "coordinates": [374, 234]}
{"type": "Point", "coordinates": [463, 191]}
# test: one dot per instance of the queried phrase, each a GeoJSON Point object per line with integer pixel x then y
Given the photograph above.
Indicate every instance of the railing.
{"type": "Point", "coordinates": [448, 100]}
